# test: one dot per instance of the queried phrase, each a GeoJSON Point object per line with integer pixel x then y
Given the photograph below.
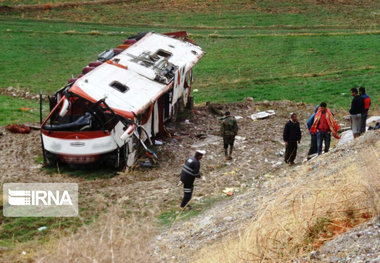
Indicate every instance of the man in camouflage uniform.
{"type": "Point", "coordinates": [228, 130]}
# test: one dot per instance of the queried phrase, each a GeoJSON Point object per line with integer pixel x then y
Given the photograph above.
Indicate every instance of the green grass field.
{"type": "Point", "coordinates": [270, 50]}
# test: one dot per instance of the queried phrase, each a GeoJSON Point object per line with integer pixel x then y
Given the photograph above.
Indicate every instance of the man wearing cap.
{"type": "Point", "coordinates": [190, 171]}
{"type": "Point", "coordinates": [292, 135]}
{"type": "Point", "coordinates": [228, 130]}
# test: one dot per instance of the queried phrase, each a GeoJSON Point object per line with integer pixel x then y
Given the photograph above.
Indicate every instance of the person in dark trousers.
{"type": "Point", "coordinates": [367, 104]}
{"type": "Point", "coordinates": [323, 129]}
{"type": "Point", "coordinates": [324, 124]}
{"type": "Point", "coordinates": [190, 171]}
{"type": "Point", "coordinates": [228, 130]}
{"type": "Point", "coordinates": [292, 135]}
{"type": "Point", "coordinates": [357, 108]}
{"type": "Point", "coordinates": [313, 143]}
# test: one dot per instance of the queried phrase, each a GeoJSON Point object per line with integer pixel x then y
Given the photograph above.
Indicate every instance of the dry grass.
{"type": "Point", "coordinates": [113, 238]}
{"type": "Point", "coordinates": [317, 205]}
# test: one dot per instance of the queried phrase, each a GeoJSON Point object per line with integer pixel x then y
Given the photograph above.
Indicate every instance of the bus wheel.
{"type": "Point", "coordinates": [51, 160]}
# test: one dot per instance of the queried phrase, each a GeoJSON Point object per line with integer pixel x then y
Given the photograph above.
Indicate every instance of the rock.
{"type": "Point", "coordinates": [314, 254]}
{"type": "Point", "coordinates": [3, 249]}
{"type": "Point", "coordinates": [346, 137]}
{"type": "Point", "coordinates": [228, 218]}
{"type": "Point", "coordinates": [249, 99]}
{"type": "Point", "coordinates": [206, 221]}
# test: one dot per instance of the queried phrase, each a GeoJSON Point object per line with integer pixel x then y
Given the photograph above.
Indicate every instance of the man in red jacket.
{"type": "Point", "coordinates": [324, 123]}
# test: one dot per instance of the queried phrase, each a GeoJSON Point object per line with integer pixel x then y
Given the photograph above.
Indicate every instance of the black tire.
{"type": "Point", "coordinates": [120, 158]}
{"type": "Point", "coordinates": [51, 159]}
{"type": "Point", "coordinates": [190, 103]}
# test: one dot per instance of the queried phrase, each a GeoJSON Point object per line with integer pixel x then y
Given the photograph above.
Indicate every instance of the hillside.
{"type": "Point", "coordinates": [298, 213]}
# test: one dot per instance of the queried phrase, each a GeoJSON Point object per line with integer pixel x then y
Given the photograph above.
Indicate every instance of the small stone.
{"type": "Point", "coordinates": [314, 254]}
{"type": "Point", "coordinates": [206, 221]}
{"type": "Point", "coordinates": [228, 218]}
{"type": "Point", "coordinates": [249, 99]}
{"type": "Point", "coordinates": [266, 102]}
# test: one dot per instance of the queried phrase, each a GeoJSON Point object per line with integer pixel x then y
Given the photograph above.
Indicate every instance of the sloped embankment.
{"type": "Point", "coordinates": [293, 215]}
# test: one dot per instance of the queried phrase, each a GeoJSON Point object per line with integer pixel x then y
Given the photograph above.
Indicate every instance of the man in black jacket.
{"type": "Point", "coordinates": [292, 135]}
{"type": "Point", "coordinates": [190, 171]}
{"type": "Point", "coordinates": [357, 108]}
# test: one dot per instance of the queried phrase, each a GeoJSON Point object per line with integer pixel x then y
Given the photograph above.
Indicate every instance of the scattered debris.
{"type": "Point", "coordinates": [213, 109]}
{"type": "Point", "coordinates": [158, 142]}
{"type": "Point", "coordinates": [41, 228]}
{"type": "Point", "coordinates": [201, 136]}
{"type": "Point", "coordinates": [26, 109]}
{"type": "Point", "coordinates": [277, 164]}
{"type": "Point", "coordinates": [373, 119]}
{"type": "Point", "coordinates": [229, 191]}
{"type": "Point", "coordinates": [145, 163]}
{"type": "Point", "coordinates": [262, 114]}
{"type": "Point", "coordinates": [376, 127]}
{"type": "Point", "coordinates": [18, 128]}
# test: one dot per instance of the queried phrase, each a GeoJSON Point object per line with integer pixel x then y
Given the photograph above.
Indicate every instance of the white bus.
{"type": "Point", "coordinates": [120, 101]}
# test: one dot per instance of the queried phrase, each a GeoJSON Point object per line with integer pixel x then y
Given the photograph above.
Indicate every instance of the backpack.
{"type": "Point", "coordinates": [229, 126]}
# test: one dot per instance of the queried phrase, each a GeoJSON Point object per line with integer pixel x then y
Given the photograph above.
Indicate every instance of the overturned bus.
{"type": "Point", "coordinates": [110, 112]}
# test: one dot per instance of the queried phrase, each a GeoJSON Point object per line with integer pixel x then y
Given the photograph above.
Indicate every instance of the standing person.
{"type": "Point", "coordinates": [367, 104]}
{"type": "Point", "coordinates": [292, 135]}
{"type": "Point", "coordinates": [357, 108]}
{"type": "Point", "coordinates": [313, 143]}
{"type": "Point", "coordinates": [324, 124]}
{"type": "Point", "coordinates": [190, 171]}
{"type": "Point", "coordinates": [228, 130]}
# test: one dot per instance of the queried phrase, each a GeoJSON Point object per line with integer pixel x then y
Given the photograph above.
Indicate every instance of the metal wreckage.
{"type": "Point", "coordinates": [110, 112]}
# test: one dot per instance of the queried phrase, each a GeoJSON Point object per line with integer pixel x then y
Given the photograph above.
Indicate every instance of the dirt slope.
{"type": "Point", "coordinates": [228, 219]}
{"type": "Point", "coordinates": [143, 193]}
